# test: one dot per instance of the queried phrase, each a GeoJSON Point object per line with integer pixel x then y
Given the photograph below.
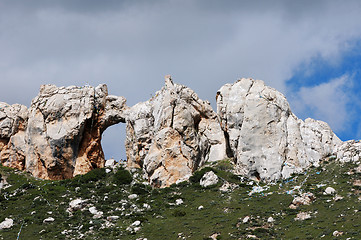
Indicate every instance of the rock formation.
{"type": "Point", "coordinates": [172, 134]}
{"type": "Point", "coordinates": [13, 122]}
{"type": "Point", "coordinates": [266, 139]}
{"type": "Point", "coordinates": [63, 131]}
{"type": "Point", "coordinates": [169, 136]}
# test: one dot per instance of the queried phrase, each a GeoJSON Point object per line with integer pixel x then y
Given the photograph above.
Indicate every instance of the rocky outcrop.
{"type": "Point", "coordinates": [169, 136]}
{"type": "Point", "coordinates": [349, 151]}
{"type": "Point", "coordinates": [172, 134]}
{"type": "Point", "coordinates": [64, 129]}
{"type": "Point", "coordinates": [13, 121]}
{"type": "Point", "coordinates": [266, 139]}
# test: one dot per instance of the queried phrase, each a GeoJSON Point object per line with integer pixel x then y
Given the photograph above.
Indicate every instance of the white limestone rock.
{"type": "Point", "coordinates": [96, 213]}
{"type": "Point", "coordinates": [76, 204]}
{"type": "Point", "coordinates": [49, 220]}
{"type": "Point", "coordinates": [246, 219]}
{"type": "Point", "coordinates": [13, 121]}
{"type": "Point", "coordinates": [179, 201]}
{"type": "Point", "coordinates": [209, 179]}
{"type": "Point", "coordinates": [7, 223]}
{"type": "Point", "coordinates": [266, 139]}
{"type": "Point", "coordinates": [12, 117]}
{"type": "Point", "coordinates": [302, 216]}
{"type": "Point", "coordinates": [330, 191]}
{"type": "Point", "coordinates": [172, 134]}
{"type": "Point", "coordinates": [304, 199]}
{"type": "Point", "coordinates": [349, 151]}
{"type": "Point", "coordinates": [62, 137]}
{"type": "Point", "coordinates": [110, 163]}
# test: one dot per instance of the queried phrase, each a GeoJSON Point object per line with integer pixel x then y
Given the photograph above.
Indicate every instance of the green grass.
{"type": "Point", "coordinates": [29, 201]}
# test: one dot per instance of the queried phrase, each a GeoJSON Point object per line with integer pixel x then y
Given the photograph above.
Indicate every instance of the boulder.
{"type": "Point", "coordinates": [110, 163]}
{"type": "Point", "coordinates": [63, 132]}
{"type": "Point", "coordinates": [209, 179]}
{"type": "Point", "coordinates": [7, 223]}
{"type": "Point", "coordinates": [302, 216]}
{"type": "Point", "coordinates": [172, 134]}
{"type": "Point", "coordinates": [266, 139]}
{"type": "Point", "coordinates": [304, 199]}
{"type": "Point", "coordinates": [329, 191]}
{"type": "Point", "coordinates": [76, 204]}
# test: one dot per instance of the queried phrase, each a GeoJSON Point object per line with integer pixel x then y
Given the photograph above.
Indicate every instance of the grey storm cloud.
{"type": "Point", "coordinates": [131, 45]}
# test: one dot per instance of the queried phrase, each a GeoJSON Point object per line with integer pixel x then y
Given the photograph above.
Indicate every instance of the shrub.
{"type": "Point", "coordinates": [225, 165]}
{"type": "Point", "coordinates": [94, 175]}
{"type": "Point", "coordinates": [122, 176]}
{"type": "Point", "coordinates": [179, 213]}
{"type": "Point", "coordinates": [140, 189]}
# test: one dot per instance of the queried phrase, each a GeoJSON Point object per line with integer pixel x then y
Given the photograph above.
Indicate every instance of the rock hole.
{"type": "Point", "coordinates": [113, 142]}
{"type": "Point", "coordinates": [255, 174]}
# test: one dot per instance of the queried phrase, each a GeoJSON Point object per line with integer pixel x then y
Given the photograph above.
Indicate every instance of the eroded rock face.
{"type": "Point", "coordinates": [266, 139]}
{"type": "Point", "coordinates": [64, 128]}
{"type": "Point", "coordinates": [13, 121]}
{"type": "Point", "coordinates": [349, 151]}
{"type": "Point", "coordinates": [172, 134]}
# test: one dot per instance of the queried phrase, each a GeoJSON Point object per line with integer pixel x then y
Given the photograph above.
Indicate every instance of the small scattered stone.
{"type": "Point", "coordinates": [245, 219]}
{"type": "Point", "coordinates": [270, 220]}
{"type": "Point", "coordinates": [337, 198]}
{"type": "Point", "coordinates": [112, 218]}
{"type": "Point", "coordinates": [96, 214]}
{"type": "Point", "coordinates": [337, 233]}
{"type": "Point", "coordinates": [330, 190]}
{"type": "Point", "coordinates": [178, 201]}
{"type": "Point", "coordinates": [214, 236]}
{"type": "Point", "coordinates": [132, 196]}
{"type": "Point", "coordinates": [136, 223]}
{"type": "Point", "coordinates": [48, 220]}
{"type": "Point", "coordinates": [252, 236]}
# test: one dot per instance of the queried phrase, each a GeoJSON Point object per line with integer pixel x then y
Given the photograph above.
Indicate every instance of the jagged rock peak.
{"type": "Point", "coordinates": [172, 134]}
{"type": "Point", "coordinates": [266, 139]}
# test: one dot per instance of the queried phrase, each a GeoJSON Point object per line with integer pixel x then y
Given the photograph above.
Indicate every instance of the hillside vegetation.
{"type": "Point", "coordinates": [115, 204]}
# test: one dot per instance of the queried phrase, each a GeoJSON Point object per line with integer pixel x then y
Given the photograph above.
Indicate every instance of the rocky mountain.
{"type": "Point", "coordinates": [169, 136]}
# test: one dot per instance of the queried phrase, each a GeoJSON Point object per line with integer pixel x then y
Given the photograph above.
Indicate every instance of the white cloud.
{"type": "Point", "coordinates": [327, 101]}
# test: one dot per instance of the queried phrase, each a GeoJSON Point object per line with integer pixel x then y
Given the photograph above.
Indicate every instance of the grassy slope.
{"type": "Point", "coordinates": [29, 201]}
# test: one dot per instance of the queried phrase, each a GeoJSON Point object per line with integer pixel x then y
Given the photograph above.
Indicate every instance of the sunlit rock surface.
{"type": "Point", "coordinates": [63, 131]}
{"type": "Point", "coordinates": [266, 139]}
{"type": "Point", "coordinates": [172, 134]}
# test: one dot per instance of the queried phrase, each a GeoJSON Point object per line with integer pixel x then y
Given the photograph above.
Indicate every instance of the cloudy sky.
{"type": "Point", "coordinates": [308, 50]}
